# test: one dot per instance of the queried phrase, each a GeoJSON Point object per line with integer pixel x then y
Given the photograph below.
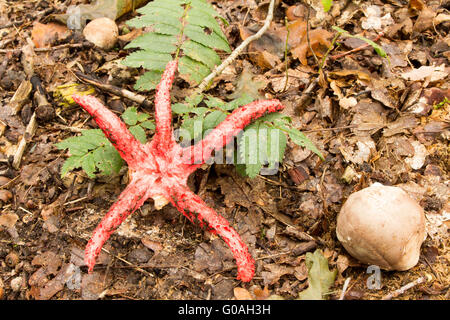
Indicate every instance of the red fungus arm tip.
{"type": "Point", "coordinates": [164, 138]}
{"type": "Point", "coordinates": [115, 130]}
{"type": "Point", "coordinates": [230, 127]}
{"type": "Point", "coordinates": [129, 200]}
{"type": "Point", "coordinates": [187, 200]}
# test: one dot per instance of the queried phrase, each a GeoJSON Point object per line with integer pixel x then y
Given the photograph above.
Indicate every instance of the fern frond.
{"type": "Point", "coordinates": [185, 28]}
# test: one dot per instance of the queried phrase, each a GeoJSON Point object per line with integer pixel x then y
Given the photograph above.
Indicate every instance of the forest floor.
{"type": "Point", "coordinates": [374, 120]}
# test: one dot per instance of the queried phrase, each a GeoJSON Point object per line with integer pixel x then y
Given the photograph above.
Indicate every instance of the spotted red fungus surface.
{"type": "Point", "coordinates": [160, 168]}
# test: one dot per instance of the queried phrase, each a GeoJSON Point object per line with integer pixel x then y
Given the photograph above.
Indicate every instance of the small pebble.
{"type": "Point", "coordinates": [16, 284]}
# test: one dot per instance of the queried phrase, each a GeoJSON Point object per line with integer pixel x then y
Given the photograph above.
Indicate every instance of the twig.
{"type": "Point", "coordinates": [338, 56]}
{"type": "Point", "coordinates": [331, 129]}
{"type": "Point", "coordinates": [142, 100]}
{"type": "Point", "coordinates": [406, 287]}
{"type": "Point", "coordinates": [286, 54]}
{"type": "Point", "coordinates": [29, 133]}
{"type": "Point", "coordinates": [62, 46]}
{"type": "Point", "coordinates": [307, 35]}
{"type": "Point", "coordinates": [344, 288]}
{"type": "Point", "coordinates": [206, 82]}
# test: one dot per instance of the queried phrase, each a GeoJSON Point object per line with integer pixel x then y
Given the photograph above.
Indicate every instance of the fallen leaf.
{"type": "Point", "coordinates": [44, 35]}
{"type": "Point", "coordinates": [242, 294]}
{"type": "Point", "coordinates": [247, 84]}
{"type": "Point", "coordinates": [320, 278]}
{"type": "Point", "coordinates": [275, 272]}
{"type": "Point", "coordinates": [318, 38]}
{"type": "Point", "coordinates": [424, 20]}
{"type": "Point", "coordinates": [435, 73]}
{"type": "Point", "coordinates": [402, 124]}
{"type": "Point", "coordinates": [93, 284]}
{"type": "Point", "coordinates": [374, 20]}
{"type": "Point", "coordinates": [365, 146]}
{"type": "Point", "coordinates": [152, 245]}
{"type": "Point", "coordinates": [418, 159]}
{"type": "Point", "coordinates": [261, 294]}
{"type": "Point", "coordinates": [8, 220]}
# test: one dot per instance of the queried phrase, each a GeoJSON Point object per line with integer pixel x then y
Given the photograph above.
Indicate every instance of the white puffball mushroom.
{"type": "Point", "coordinates": [383, 226]}
{"type": "Point", "coordinates": [103, 32]}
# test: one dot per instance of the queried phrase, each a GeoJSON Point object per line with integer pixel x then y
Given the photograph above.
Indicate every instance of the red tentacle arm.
{"type": "Point", "coordinates": [129, 200]}
{"type": "Point", "coordinates": [187, 200]}
{"type": "Point", "coordinates": [130, 149]}
{"type": "Point", "coordinates": [227, 129]}
{"type": "Point", "coordinates": [164, 138]}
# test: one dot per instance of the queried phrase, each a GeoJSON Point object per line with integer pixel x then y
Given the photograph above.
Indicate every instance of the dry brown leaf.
{"type": "Point", "coordinates": [130, 36]}
{"type": "Point", "coordinates": [8, 220]}
{"type": "Point", "coordinates": [361, 75]}
{"type": "Point", "coordinates": [5, 195]}
{"type": "Point", "coordinates": [295, 12]}
{"type": "Point", "coordinates": [417, 5]}
{"type": "Point", "coordinates": [44, 35]}
{"type": "Point", "coordinates": [266, 50]}
{"type": "Point", "coordinates": [424, 20]}
{"type": "Point", "coordinates": [242, 294]}
{"type": "Point", "coordinates": [318, 38]}
{"type": "Point", "coordinates": [261, 294]}
{"type": "Point", "coordinates": [275, 272]}
{"type": "Point", "coordinates": [152, 245]}
{"type": "Point", "coordinates": [435, 73]}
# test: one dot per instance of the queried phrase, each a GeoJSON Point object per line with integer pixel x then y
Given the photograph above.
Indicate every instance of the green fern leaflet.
{"type": "Point", "coordinates": [179, 28]}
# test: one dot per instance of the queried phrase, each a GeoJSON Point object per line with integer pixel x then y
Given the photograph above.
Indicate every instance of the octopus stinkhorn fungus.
{"type": "Point", "coordinates": [160, 168]}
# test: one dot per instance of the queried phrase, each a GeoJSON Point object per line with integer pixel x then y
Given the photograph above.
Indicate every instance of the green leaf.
{"type": "Point", "coordinates": [213, 102]}
{"type": "Point", "coordinates": [166, 44]}
{"type": "Point", "coordinates": [260, 145]}
{"type": "Point", "coordinates": [149, 60]}
{"type": "Point", "coordinates": [238, 102]}
{"type": "Point", "coordinates": [90, 151]}
{"type": "Point", "coordinates": [195, 99]}
{"type": "Point", "coordinates": [107, 160]}
{"type": "Point", "coordinates": [200, 53]}
{"type": "Point", "coordinates": [139, 133]}
{"type": "Point", "coordinates": [88, 165]}
{"type": "Point", "coordinates": [181, 108]}
{"type": "Point", "coordinates": [70, 164]}
{"type": "Point", "coordinates": [327, 5]}
{"type": "Point", "coordinates": [212, 40]}
{"type": "Point", "coordinates": [213, 119]}
{"type": "Point", "coordinates": [303, 141]}
{"type": "Point", "coordinates": [378, 49]}
{"type": "Point", "coordinates": [148, 124]}
{"type": "Point", "coordinates": [320, 278]}
{"type": "Point", "coordinates": [194, 70]}
{"type": "Point", "coordinates": [142, 116]}
{"type": "Point", "coordinates": [130, 116]}
{"type": "Point", "coordinates": [186, 27]}
{"type": "Point", "coordinates": [148, 81]}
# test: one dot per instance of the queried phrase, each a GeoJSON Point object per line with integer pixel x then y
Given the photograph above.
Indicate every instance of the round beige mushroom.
{"type": "Point", "coordinates": [102, 32]}
{"type": "Point", "coordinates": [383, 226]}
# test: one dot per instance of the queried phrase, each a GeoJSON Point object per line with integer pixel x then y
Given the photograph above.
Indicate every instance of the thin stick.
{"type": "Point", "coordinates": [307, 35]}
{"type": "Point", "coordinates": [46, 49]}
{"type": "Point", "coordinates": [344, 288]}
{"type": "Point", "coordinates": [286, 54]}
{"type": "Point", "coordinates": [338, 56]}
{"type": "Point", "coordinates": [206, 82]}
{"type": "Point", "coordinates": [115, 90]}
{"type": "Point", "coordinates": [28, 134]}
{"type": "Point", "coordinates": [406, 287]}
